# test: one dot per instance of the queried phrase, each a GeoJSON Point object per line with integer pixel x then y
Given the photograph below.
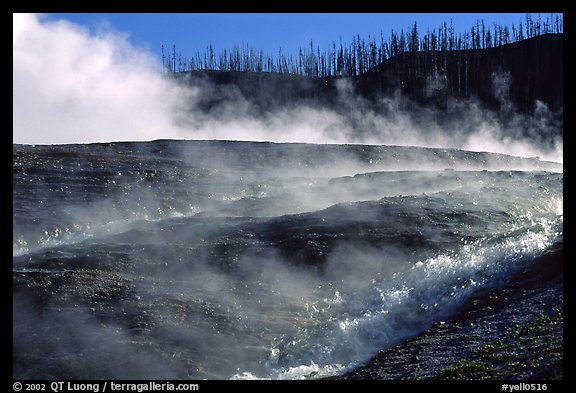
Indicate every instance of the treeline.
{"type": "Point", "coordinates": [361, 55]}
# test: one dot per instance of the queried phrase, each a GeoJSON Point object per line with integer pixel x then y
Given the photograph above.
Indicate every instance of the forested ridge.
{"type": "Point", "coordinates": [518, 73]}
{"type": "Point", "coordinates": [362, 54]}
{"type": "Point", "coordinates": [499, 65]}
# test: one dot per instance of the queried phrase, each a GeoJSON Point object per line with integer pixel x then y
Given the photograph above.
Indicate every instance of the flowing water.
{"type": "Point", "coordinates": [233, 260]}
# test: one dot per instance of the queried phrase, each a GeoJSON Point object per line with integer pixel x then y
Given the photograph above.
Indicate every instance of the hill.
{"type": "Point", "coordinates": [513, 76]}
{"type": "Point", "coordinates": [519, 73]}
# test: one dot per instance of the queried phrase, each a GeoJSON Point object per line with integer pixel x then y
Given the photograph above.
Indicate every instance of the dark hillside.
{"type": "Point", "coordinates": [509, 77]}
{"type": "Point", "coordinates": [521, 73]}
{"type": "Point", "coordinates": [265, 90]}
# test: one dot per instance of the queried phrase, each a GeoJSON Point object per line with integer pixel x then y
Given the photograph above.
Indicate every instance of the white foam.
{"type": "Point", "coordinates": [342, 334]}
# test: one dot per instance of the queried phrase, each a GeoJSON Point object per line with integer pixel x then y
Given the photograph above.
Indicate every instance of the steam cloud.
{"type": "Point", "coordinates": [74, 86]}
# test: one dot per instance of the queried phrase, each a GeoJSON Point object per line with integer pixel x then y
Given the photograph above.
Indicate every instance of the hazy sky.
{"type": "Point", "coordinates": [269, 31]}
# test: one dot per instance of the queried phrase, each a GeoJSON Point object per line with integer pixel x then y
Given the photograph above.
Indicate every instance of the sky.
{"type": "Point", "coordinates": [268, 31]}
{"type": "Point", "coordinates": [84, 78]}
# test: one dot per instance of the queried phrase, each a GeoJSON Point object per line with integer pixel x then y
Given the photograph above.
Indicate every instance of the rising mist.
{"type": "Point", "coordinates": [84, 87]}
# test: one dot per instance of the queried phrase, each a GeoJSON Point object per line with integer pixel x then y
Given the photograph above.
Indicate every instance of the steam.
{"type": "Point", "coordinates": [74, 86]}
{"type": "Point", "coordinates": [70, 86]}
